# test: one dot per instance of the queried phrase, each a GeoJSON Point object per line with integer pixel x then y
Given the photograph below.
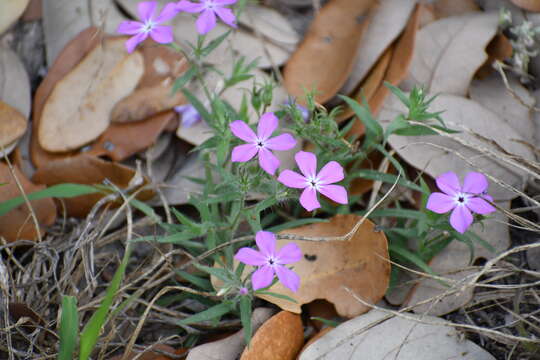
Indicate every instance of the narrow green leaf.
{"type": "Point", "coordinates": [69, 328]}
{"type": "Point", "coordinates": [365, 116]}
{"type": "Point", "coordinates": [295, 223]}
{"type": "Point", "coordinates": [214, 43]}
{"type": "Point", "coordinates": [208, 314]}
{"type": "Point", "coordinates": [192, 99]}
{"type": "Point", "coordinates": [58, 191]}
{"type": "Point", "coordinates": [181, 81]}
{"type": "Point", "coordinates": [91, 331]}
{"type": "Point", "coordinates": [198, 281]}
{"type": "Point", "coordinates": [279, 296]}
{"type": "Point", "coordinates": [245, 317]}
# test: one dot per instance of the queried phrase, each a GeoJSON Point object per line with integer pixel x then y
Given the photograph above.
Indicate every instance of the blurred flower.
{"type": "Point", "coordinates": [189, 115]}
{"type": "Point", "coordinates": [261, 142]}
{"type": "Point", "coordinates": [270, 262]}
{"type": "Point", "coordinates": [209, 9]}
{"type": "Point", "coordinates": [313, 182]}
{"type": "Point", "coordinates": [303, 110]}
{"type": "Point", "coordinates": [243, 291]}
{"type": "Point", "coordinates": [461, 199]}
{"type": "Point", "coordinates": [149, 25]}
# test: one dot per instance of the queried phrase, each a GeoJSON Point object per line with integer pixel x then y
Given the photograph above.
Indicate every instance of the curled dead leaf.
{"type": "Point", "coordinates": [12, 126]}
{"type": "Point", "coordinates": [154, 91]}
{"type": "Point", "coordinates": [14, 82]}
{"type": "Point", "coordinates": [388, 20]}
{"type": "Point", "coordinates": [74, 115]}
{"type": "Point", "coordinates": [86, 170]}
{"type": "Point", "coordinates": [280, 338]}
{"type": "Point", "coordinates": [151, 354]}
{"type": "Point", "coordinates": [18, 224]}
{"type": "Point", "coordinates": [326, 56]}
{"type": "Point", "coordinates": [447, 8]}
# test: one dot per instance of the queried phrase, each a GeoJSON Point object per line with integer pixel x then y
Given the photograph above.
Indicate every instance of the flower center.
{"type": "Point", "coordinates": [209, 5]}
{"type": "Point", "coordinates": [259, 143]}
{"type": "Point", "coordinates": [148, 26]}
{"type": "Point", "coordinates": [272, 261]}
{"type": "Point", "coordinates": [461, 198]}
{"type": "Point", "coordinates": [313, 182]}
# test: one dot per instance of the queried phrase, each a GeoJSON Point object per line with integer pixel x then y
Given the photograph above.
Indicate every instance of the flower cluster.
{"type": "Point", "coordinates": [311, 181]}
{"type": "Point", "coordinates": [462, 200]}
{"type": "Point", "coordinates": [270, 262]}
{"type": "Point", "coordinates": [150, 25]}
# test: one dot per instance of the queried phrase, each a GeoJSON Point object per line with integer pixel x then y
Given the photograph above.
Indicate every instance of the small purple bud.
{"type": "Point", "coordinates": [243, 291]}
{"type": "Point", "coordinates": [190, 115]}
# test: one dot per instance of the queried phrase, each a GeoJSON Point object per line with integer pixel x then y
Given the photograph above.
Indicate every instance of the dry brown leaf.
{"type": "Point", "coordinates": [388, 21]}
{"type": "Point", "coordinates": [447, 8]}
{"type": "Point", "coordinates": [270, 24]}
{"type": "Point", "coordinates": [231, 347]}
{"type": "Point", "coordinates": [154, 91]}
{"type": "Point", "coordinates": [451, 262]}
{"type": "Point", "coordinates": [436, 154]}
{"type": "Point", "coordinates": [279, 338]}
{"type": "Point", "coordinates": [105, 15]}
{"type": "Point", "coordinates": [18, 223]}
{"type": "Point", "coordinates": [360, 264]}
{"type": "Point", "coordinates": [368, 88]}
{"type": "Point", "coordinates": [34, 11]}
{"type": "Point", "coordinates": [492, 94]}
{"type": "Point", "coordinates": [86, 170]}
{"type": "Point", "coordinates": [10, 11]}
{"type": "Point", "coordinates": [377, 336]}
{"type": "Point", "coordinates": [74, 115]}
{"type": "Point", "coordinates": [325, 58]}
{"type": "Point", "coordinates": [14, 82]}
{"type": "Point", "coordinates": [396, 71]}
{"type": "Point", "coordinates": [12, 126]}
{"type": "Point", "coordinates": [449, 51]}
{"type": "Point", "coordinates": [320, 309]}
{"type": "Point", "coordinates": [531, 5]}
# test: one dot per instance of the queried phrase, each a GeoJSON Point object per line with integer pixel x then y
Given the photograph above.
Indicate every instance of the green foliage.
{"type": "Point", "coordinates": [69, 328]}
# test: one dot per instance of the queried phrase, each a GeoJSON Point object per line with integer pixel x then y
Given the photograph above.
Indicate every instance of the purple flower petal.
{"type": "Point", "coordinates": [189, 7]}
{"type": "Point", "coordinates": [440, 203]}
{"type": "Point", "coordinates": [486, 197]}
{"type": "Point", "coordinates": [267, 125]}
{"type": "Point", "coordinates": [289, 254]}
{"type": "Point", "coordinates": [480, 206]}
{"type": "Point", "coordinates": [262, 277]}
{"type": "Point", "coordinates": [335, 192]}
{"type": "Point", "coordinates": [226, 15]}
{"type": "Point", "coordinates": [475, 183]}
{"type": "Point", "coordinates": [243, 153]}
{"type": "Point", "coordinates": [189, 114]}
{"type": "Point", "coordinates": [241, 130]}
{"type": "Point", "coordinates": [162, 34]}
{"type": "Point", "coordinates": [307, 162]}
{"type": "Point", "coordinates": [225, 2]}
{"type": "Point", "coordinates": [206, 21]}
{"type": "Point", "coordinates": [292, 179]}
{"type": "Point", "coordinates": [268, 161]}
{"type": "Point", "coordinates": [331, 173]}
{"type": "Point", "coordinates": [250, 257]}
{"type": "Point", "coordinates": [169, 11]}
{"type": "Point", "coordinates": [146, 10]}
{"type": "Point", "coordinates": [448, 183]}
{"type": "Point", "coordinates": [281, 142]}
{"type": "Point", "coordinates": [132, 43]}
{"type": "Point", "coordinates": [289, 278]}
{"type": "Point", "coordinates": [308, 199]}
{"type": "Point", "coordinates": [130, 27]}
{"type": "Point", "coordinates": [266, 241]}
{"type": "Point", "coordinates": [461, 219]}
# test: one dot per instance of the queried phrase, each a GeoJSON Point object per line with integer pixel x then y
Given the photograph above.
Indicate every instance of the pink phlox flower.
{"type": "Point", "coordinates": [313, 182]}
{"type": "Point", "coordinates": [209, 9]}
{"type": "Point", "coordinates": [261, 143]}
{"type": "Point", "coordinates": [271, 262]}
{"type": "Point", "coordinates": [189, 115]}
{"type": "Point", "coordinates": [462, 200]}
{"type": "Point", "coordinates": [149, 25]}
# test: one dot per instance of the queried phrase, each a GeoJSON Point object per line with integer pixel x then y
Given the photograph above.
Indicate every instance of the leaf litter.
{"type": "Point", "coordinates": [441, 45]}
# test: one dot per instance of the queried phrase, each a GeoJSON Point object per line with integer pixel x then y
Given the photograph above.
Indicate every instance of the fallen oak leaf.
{"type": "Point", "coordinates": [86, 170]}
{"type": "Point", "coordinates": [11, 11]}
{"type": "Point", "coordinates": [388, 20]}
{"type": "Point", "coordinates": [74, 115]}
{"type": "Point", "coordinates": [531, 5]}
{"type": "Point", "coordinates": [326, 46]}
{"type": "Point", "coordinates": [12, 127]}
{"type": "Point", "coordinates": [14, 82]}
{"type": "Point", "coordinates": [17, 223]}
